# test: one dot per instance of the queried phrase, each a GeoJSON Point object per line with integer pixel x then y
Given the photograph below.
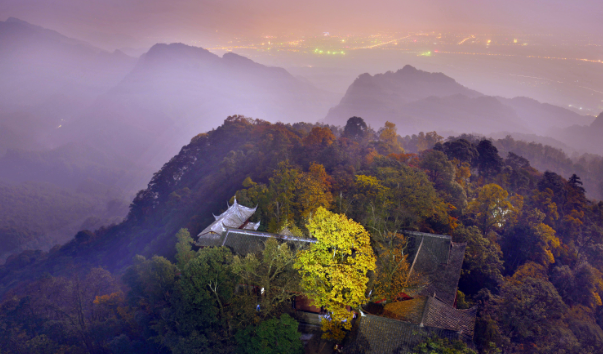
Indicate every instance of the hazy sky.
{"type": "Point", "coordinates": [118, 23]}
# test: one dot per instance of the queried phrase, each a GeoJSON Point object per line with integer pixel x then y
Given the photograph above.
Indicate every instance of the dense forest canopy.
{"type": "Point", "coordinates": [532, 264]}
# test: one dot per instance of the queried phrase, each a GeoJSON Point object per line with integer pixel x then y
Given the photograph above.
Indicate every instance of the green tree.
{"type": "Point", "coordinates": [151, 282]}
{"type": "Point", "coordinates": [483, 265]}
{"type": "Point", "coordinates": [442, 173]}
{"type": "Point", "coordinates": [184, 248]}
{"type": "Point", "coordinates": [334, 269]}
{"type": "Point", "coordinates": [272, 272]}
{"type": "Point", "coordinates": [355, 129]}
{"type": "Point", "coordinates": [428, 141]}
{"type": "Point", "coordinates": [208, 278]}
{"type": "Point", "coordinates": [488, 162]}
{"type": "Point", "coordinates": [274, 336]}
{"type": "Point", "coordinates": [530, 310]}
{"type": "Point", "coordinates": [436, 345]}
{"type": "Point", "coordinates": [530, 240]}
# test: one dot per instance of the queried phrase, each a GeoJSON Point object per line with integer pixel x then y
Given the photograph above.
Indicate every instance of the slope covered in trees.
{"type": "Point", "coordinates": [40, 215]}
{"type": "Point", "coordinates": [532, 265]}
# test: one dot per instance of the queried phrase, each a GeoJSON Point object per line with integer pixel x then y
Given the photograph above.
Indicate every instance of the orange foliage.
{"type": "Point", "coordinates": [319, 136]}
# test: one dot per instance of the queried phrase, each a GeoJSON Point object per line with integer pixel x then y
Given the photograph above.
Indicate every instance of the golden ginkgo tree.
{"type": "Point", "coordinates": [334, 269]}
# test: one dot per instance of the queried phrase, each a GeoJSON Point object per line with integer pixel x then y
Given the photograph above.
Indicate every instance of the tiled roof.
{"type": "Point", "coordinates": [242, 242]}
{"type": "Point", "coordinates": [408, 310]}
{"type": "Point", "coordinates": [210, 240]}
{"type": "Point", "coordinates": [427, 250]}
{"type": "Point", "coordinates": [234, 217]}
{"type": "Point", "coordinates": [440, 315]}
{"type": "Point", "coordinates": [444, 278]}
{"type": "Point", "coordinates": [432, 312]}
{"type": "Point", "coordinates": [380, 335]}
{"type": "Point", "coordinates": [440, 260]}
{"type": "Point", "coordinates": [404, 324]}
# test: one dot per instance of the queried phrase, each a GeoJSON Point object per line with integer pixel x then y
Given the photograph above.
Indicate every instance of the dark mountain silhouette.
{"type": "Point", "coordinates": [542, 118]}
{"type": "Point", "coordinates": [177, 90]}
{"type": "Point", "coordinates": [583, 137]}
{"type": "Point", "coordinates": [382, 97]}
{"type": "Point", "coordinates": [451, 112]}
{"type": "Point", "coordinates": [421, 101]}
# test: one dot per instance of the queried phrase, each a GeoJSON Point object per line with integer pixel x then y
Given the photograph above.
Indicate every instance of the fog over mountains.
{"type": "Point", "coordinates": [96, 125]}
{"type": "Point", "coordinates": [106, 111]}
{"type": "Point", "coordinates": [587, 138]}
{"type": "Point", "coordinates": [70, 112]}
{"type": "Point", "coordinates": [176, 92]}
{"type": "Point", "coordinates": [417, 101]}
{"type": "Point", "coordinates": [48, 79]}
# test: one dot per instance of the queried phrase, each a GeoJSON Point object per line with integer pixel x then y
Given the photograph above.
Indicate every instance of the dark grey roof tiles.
{"type": "Point", "coordinates": [242, 242]}
{"type": "Point", "coordinates": [380, 335]}
{"type": "Point", "coordinates": [444, 278]}
{"type": "Point", "coordinates": [427, 249]}
{"type": "Point", "coordinates": [440, 260]}
{"type": "Point", "coordinates": [440, 315]}
{"type": "Point", "coordinates": [210, 240]}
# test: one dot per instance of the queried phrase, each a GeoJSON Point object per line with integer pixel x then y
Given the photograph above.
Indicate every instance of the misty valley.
{"type": "Point", "coordinates": [173, 200]}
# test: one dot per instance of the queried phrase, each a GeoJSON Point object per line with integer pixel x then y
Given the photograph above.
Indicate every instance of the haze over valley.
{"type": "Point", "coordinates": [442, 160]}
{"type": "Point", "coordinates": [72, 112]}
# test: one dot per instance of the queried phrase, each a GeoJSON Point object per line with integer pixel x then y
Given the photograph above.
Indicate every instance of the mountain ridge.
{"type": "Point", "coordinates": [397, 97]}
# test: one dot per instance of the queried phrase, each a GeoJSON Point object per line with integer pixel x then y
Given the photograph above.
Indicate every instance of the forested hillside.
{"type": "Point", "coordinates": [532, 264]}
{"type": "Point", "coordinates": [41, 215]}
{"type": "Point", "coordinates": [541, 156]}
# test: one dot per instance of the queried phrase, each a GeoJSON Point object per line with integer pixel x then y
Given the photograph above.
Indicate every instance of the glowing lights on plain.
{"type": "Point", "coordinates": [466, 39]}
{"type": "Point", "coordinates": [329, 52]}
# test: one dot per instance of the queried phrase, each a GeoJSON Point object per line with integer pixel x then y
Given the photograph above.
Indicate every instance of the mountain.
{"type": "Point", "coordinates": [66, 166]}
{"type": "Point", "coordinates": [417, 100]}
{"type": "Point", "coordinates": [49, 78]}
{"type": "Point", "coordinates": [76, 118]}
{"type": "Point", "coordinates": [177, 90]}
{"type": "Point", "coordinates": [583, 137]}
{"type": "Point", "coordinates": [381, 97]}
{"type": "Point", "coordinates": [543, 118]}
{"type": "Point", "coordinates": [131, 301]}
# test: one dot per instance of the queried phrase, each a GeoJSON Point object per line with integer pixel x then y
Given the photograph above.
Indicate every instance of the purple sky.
{"type": "Point", "coordinates": [118, 23]}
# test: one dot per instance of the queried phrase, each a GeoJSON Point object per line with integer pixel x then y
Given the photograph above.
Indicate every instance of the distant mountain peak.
{"type": "Point", "coordinates": [408, 68]}
{"type": "Point", "coordinates": [176, 48]}
{"type": "Point", "coordinates": [16, 20]}
{"type": "Point", "coordinates": [235, 56]}
{"type": "Point", "coordinates": [178, 52]}
{"type": "Point", "coordinates": [598, 123]}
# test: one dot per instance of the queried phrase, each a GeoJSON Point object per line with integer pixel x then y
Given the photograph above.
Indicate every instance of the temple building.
{"type": "Point", "coordinates": [420, 313]}
{"type": "Point", "coordinates": [393, 327]}
{"type": "Point", "coordinates": [233, 229]}
{"type": "Point", "coordinates": [235, 217]}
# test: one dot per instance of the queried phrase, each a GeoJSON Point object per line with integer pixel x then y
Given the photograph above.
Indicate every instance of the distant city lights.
{"type": "Point", "coordinates": [329, 52]}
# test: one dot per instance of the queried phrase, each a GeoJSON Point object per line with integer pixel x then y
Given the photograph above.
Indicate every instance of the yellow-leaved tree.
{"type": "Point", "coordinates": [389, 137]}
{"type": "Point", "coordinates": [334, 269]}
{"type": "Point", "coordinates": [492, 208]}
